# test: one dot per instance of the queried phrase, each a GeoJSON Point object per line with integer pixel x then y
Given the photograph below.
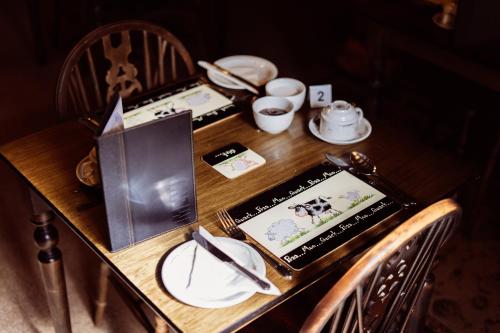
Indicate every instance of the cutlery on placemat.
{"type": "Point", "coordinates": [219, 254]}
{"type": "Point", "coordinates": [364, 165]}
{"type": "Point", "coordinates": [338, 161]}
{"type": "Point", "coordinates": [236, 79]}
{"type": "Point", "coordinates": [231, 228]}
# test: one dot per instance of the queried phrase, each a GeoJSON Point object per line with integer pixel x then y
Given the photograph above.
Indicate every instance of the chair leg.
{"type": "Point", "coordinates": [160, 325]}
{"type": "Point", "coordinates": [416, 322]}
{"type": "Point", "coordinates": [102, 294]}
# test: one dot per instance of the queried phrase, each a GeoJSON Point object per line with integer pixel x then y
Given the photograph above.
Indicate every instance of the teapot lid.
{"type": "Point", "coordinates": [340, 111]}
{"type": "Point", "coordinates": [340, 105]}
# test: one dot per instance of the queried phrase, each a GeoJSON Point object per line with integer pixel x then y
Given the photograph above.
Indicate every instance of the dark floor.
{"type": "Point", "coordinates": [466, 298]}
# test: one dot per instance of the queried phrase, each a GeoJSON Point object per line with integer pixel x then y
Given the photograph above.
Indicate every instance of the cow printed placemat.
{"type": "Point", "coordinates": [207, 105]}
{"type": "Point", "coordinates": [310, 215]}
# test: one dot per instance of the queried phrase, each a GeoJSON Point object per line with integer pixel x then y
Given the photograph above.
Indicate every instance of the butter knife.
{"type": "Point", "coordinates": [203, 242]}
{"type": "Point", "coordinates": [236, 79]}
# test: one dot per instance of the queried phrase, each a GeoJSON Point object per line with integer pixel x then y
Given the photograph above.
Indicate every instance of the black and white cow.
{"type": "Point", "coordinates": [314, 208]}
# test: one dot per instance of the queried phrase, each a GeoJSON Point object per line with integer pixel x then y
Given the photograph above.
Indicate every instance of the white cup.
{"type": "Point", "coordinates": [340, 121]}
{"type": "Point", "coordinates": [273, 114]}
{"type": "Point", "coordinates": [291, 89]}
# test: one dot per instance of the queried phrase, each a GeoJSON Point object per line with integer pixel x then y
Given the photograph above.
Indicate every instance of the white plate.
{"type": "Point", "coordinates": [364, 131]}
{"type": "Point", "coordinates": [213, 284]}
{"type": "Point", "coordinates": [257, 70]}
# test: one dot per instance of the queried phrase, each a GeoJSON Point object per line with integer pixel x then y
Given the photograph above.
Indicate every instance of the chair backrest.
{"type": "Point", "coordinates": [378, 293]}
{"type": "Point", "coordinates": [128, 56]}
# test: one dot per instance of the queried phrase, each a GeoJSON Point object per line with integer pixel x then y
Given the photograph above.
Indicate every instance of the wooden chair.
{"type": "Point", "coordinates": [381, 292]}
{"type": "Point", "coordinates": [130, 57]}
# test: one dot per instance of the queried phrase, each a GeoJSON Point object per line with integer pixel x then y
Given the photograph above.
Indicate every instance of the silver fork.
{"type": "Point", "coordinates": [231, 228]}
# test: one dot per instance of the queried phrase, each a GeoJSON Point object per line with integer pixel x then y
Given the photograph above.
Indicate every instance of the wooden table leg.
{"type": "Point", "coordinates": [50, 258]}
{"type": "Point", "coordinates": [102, 294]}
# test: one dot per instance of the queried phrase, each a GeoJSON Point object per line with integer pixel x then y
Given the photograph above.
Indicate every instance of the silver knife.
{"type": "Point", "coordinates": [230, 76]}
{"type": "Point", "coordinates": [239, 77]}
{"type": "Point", "coordinates": [203, 242]}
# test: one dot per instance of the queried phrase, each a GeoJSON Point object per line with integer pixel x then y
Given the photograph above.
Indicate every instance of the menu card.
{"type": "Point", "coordinates": [312, 214]}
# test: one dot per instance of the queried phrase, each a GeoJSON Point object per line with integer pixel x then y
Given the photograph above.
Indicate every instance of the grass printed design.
{"type": "Point", "coordinates": [360, 200]}
{"type": "Point", "coordinates": [295, 237]}
{"type": "Point", "coordinates": [327, 219]}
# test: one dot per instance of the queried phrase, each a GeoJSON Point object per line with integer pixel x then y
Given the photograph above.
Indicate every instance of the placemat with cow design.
{"type": "Point", "coordinates": [312, 214]}
{"type": "Point", "coordinates": [208, 103]}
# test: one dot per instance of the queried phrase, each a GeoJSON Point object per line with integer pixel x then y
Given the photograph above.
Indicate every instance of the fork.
{"type": "Point", "coordinates": [232, 229]}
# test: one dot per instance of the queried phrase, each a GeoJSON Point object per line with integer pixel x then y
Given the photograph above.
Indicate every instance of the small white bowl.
{"type": "Point", "coordinates": [273, 124]}
{"type": "Point", "coordinates": [291, 89]}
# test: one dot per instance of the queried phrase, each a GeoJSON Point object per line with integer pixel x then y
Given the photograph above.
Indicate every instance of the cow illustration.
{"type": "Point", "coordinates": [242, 163]}
{"type": "Point", "coordinates": [282, 230]}
{"type": "Point", "coordinates": [314, 208]}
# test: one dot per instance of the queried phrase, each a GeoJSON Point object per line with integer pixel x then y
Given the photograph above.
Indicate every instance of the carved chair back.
{"type": "Point", "coordinates": [379, 293]}
{"type": "Point", "coordinates": [128, 56]}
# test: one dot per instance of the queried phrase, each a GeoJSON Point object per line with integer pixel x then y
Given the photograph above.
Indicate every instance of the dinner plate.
{"type": "Point", "coordinates": [195, 277]}
{"type": "Point", "coordinates": [364, 131]}
{"type": "Point", "coordinates": [257, 70]}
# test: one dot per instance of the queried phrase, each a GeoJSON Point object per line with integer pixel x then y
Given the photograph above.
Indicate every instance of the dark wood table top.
{"type": "Point", "coordinates": [47, 161]}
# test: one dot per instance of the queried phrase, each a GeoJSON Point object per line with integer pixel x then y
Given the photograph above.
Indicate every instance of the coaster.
{"type": "Point", "coordinates": [234, 160]}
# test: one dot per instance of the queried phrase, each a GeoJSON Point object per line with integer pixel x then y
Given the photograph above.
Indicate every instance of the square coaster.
{"type": "Point", "coordinates": [234, 160]}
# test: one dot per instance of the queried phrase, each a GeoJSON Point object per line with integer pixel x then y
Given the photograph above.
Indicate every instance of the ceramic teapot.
{"type": "Point", "coordinates": [340, 121]}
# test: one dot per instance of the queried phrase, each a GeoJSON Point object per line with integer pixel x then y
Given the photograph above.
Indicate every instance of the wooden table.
{"type": "Point", "coordinates": [47, 161]}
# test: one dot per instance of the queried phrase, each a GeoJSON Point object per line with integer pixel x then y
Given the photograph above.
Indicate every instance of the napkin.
{"type": "Point", "coordinates": [223, 278]}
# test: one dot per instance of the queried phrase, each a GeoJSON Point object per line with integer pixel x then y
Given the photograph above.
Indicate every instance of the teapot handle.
{"type": "Point", "coordinates": [360, 114]}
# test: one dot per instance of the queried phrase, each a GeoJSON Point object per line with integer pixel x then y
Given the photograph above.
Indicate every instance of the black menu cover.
{"type": "Point", "coordinates": [148, 179]}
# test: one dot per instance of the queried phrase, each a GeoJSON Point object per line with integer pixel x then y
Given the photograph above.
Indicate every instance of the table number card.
{"type": "Point", "coordinates": [320, 95]}
{"type": "Point", "coordinates": [234, 160]}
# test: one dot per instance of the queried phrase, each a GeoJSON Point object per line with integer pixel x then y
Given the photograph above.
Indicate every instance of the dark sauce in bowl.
{"type": "Point", "coordinates": [273, 111]}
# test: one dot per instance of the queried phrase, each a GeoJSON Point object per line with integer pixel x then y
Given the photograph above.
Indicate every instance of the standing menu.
{"type": "Point", "coordinates": [147, 174]}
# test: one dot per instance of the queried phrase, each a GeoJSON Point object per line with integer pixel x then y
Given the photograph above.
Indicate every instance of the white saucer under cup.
{"type": "Point", "coordinates": [364, 131]}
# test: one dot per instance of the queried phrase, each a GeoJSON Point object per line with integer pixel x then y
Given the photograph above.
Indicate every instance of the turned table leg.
{"type": "Point", "coordinates": [50, 258]}
{"type": "Point", "coordinates": [102, 293]}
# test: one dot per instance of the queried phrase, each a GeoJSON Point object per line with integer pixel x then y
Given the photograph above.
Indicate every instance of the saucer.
{"type": "Point", "coordinates": [87, 172]}
{"type": "Point", "coordinates": [257, 70]}
{"type": "Point", "coordinates": [364, 131]}
{"type": "Point", "coordinates": [197, 278]}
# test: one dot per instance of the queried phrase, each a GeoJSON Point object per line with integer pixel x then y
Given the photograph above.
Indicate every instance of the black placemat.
{"type": "Point", "coordinates": [312, 214]}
